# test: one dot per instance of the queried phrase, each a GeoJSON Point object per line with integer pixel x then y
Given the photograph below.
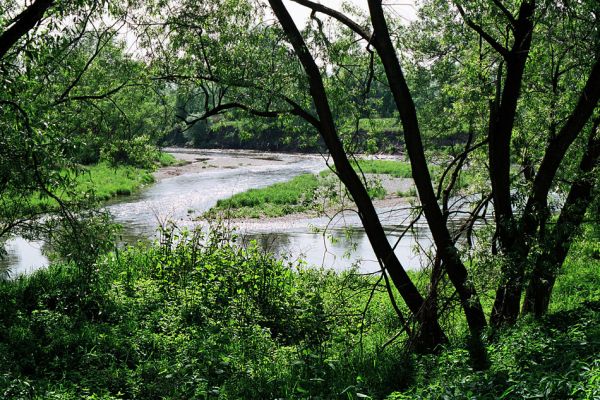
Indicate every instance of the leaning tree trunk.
{"type": "Point", "coordinates": [383, 250]}
{"type": "Point", "coordinates": [22, 24]}
{"type": "Point", "coordinates": [556, 248]}
{"type": "Point", "coordinates": [445, 246]}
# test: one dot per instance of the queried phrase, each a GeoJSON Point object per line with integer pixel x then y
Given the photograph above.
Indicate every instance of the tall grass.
{"type": "Point", "coordinates": [298, 194]}
{"type": "Point", "coordinates": [398, 169]}
{"type": "Point", "coordinates": [104, 181]}
{"type": "Point", "coordinates": [107, 181]}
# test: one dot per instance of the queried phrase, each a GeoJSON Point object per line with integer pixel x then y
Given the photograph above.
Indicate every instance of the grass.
{"type": "Point", "coordinates": [397, 169]}
{"type": "Point", "coordinates": [301, 193]}
{"type": "Point", "coordinates": [213, 321]}
{"type": "Point", "coordinates": [411, 192]}
{"type": "Point", "coordinates": [107, 181]}
{"type": "Point", "coordinates": [275, 200]}
{"type": "Point", "coordinates": [166, 159]}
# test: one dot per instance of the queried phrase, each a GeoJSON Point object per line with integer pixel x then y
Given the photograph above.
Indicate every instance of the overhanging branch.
{"type": "Point", "coordinates": [486, 36]}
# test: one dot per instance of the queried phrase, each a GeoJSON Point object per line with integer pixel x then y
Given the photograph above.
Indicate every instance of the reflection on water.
{"type": "Point", "coordinates": [183, 198]}
{"type": "Point", "coordinates": [21, 257]}
{"type": "Point", "coordinates": [338, 248]}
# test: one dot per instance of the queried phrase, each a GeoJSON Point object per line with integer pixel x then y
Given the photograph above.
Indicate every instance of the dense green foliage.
{"type": "Point", "coordinates": [200, 318]}
{"type": "Point", "coordinates": [372, 135]}
{"type": "Point", "coordinates": [72, 94]}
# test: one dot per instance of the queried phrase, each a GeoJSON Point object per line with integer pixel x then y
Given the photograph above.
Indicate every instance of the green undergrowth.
{"type": "Point", "coordinates": [194, 317]}
{"type": "Point", "coordinates": [557, 357]}
{"type": "Point", "coordinates": [195, 321]}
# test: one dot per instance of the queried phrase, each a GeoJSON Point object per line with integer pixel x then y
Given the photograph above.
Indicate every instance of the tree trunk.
{"type": "Point", "coordinates": [412, 136]}
{"type": "Point", "coordinates": [22, 24]}
{"type": "Point", "coordinates": [556, 248]}
{"type": "Point", "coordinates": [370, 220]}
{"type": "Point", "coordinates": [508, 295]}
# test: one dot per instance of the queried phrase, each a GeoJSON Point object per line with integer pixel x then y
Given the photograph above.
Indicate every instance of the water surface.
{"type": "Point", "coordinates": [331, 243]}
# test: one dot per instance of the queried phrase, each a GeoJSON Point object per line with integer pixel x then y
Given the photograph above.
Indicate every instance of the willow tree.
{"type": "Point", "coordinates": [241, 60]}
{"type": "Point", "coordinates": [68, 89]}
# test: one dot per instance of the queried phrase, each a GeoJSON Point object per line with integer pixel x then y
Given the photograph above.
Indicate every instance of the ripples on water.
{"type": "Point", "coordinates": [180, 198]}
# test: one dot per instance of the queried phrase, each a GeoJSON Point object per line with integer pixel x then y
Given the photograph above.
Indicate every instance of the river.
{"type": "Point", "coordinates": [182, 194]}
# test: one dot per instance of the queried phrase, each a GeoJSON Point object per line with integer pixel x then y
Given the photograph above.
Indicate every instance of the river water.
{"type": "Point", "coordinates": [181, 197]}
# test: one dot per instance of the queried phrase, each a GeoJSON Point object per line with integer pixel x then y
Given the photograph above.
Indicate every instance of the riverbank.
{"type": "Point", "coordinates": [105, 181]}
{"type": "Point", "coordinates": [217, 322]}
{"type": "Point", "coordinates": [109, 181]}
{"type": "Point", "coordinates": [203, 160]}
{"type": "Point", "coordinates": [182, 193]}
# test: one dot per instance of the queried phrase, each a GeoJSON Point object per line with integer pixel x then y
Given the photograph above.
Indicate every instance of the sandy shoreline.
{"type": "Point", "coordinates": [199, 160]}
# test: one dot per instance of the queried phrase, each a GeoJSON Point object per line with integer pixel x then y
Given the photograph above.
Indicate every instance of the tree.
{"type": "Point", "coordinates": [69, 90]}
{"type": "Point", "coordinates": [554, 89]}
{"type": "Point", "coordinates": [223, 49]}
{"type": "Point", "coordinates": [503, 115]}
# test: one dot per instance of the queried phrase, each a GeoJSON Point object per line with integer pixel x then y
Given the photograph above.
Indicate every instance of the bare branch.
{"type": "Point", "coordinates": [355, 27]}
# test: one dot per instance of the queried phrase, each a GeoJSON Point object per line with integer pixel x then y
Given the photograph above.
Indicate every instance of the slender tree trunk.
{"type": "Point", "coordinates": [445, 246]}
{"type": "Point", "coordinates": [508, 294]}
{"type": "Point", "coordinates": [556, 248]}
{"type": "Point", "coordinates": [412, 136]}
{"type": "Point", "coordinates": [348, 176]}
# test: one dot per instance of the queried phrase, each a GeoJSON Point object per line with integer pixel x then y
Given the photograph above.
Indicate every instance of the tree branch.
{"type": "Point", "coordinates": [355, 27]}
{"type": "Point", "coordinates": [94, 96]}
{"type": "Point", "coordinates": [23, 23]}
{"type": "Point", "coordinates": [511, 18]}
{"type": "Point", "coordinates": [486, 36]}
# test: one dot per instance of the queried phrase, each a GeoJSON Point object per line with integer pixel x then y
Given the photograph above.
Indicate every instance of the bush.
{"type": "Point", "coordinates": [138, 152]}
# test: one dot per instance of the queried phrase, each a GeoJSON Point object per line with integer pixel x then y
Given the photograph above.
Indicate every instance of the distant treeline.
{"type": "Point", "coordinates": [377, 135]}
